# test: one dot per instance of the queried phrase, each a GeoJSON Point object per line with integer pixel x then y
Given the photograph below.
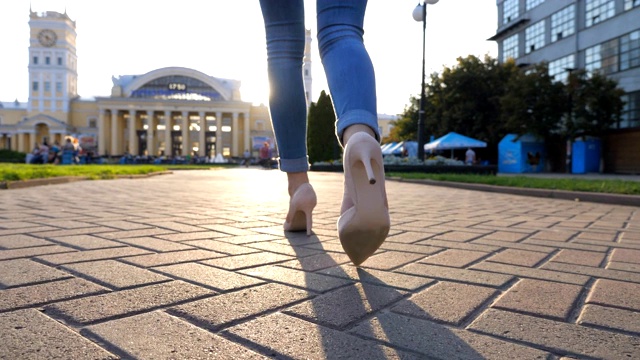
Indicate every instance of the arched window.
{"type": "Point", "coordinates": [177, 87]}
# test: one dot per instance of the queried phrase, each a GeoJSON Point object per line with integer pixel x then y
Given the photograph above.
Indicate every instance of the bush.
{"type": "Point", "coordinates": [10, 156]}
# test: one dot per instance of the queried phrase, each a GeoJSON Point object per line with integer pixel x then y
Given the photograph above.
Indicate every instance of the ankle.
{"type": "Point", "coordinates": [295, 180]}
{"type": "Point", "coordinates": [356, 128]}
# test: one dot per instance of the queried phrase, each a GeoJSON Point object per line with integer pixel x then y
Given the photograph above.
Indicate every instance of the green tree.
{"type": "Point", "coordinates": [322, 144]}
{"type": "Point", "coordinates": [406, 126]}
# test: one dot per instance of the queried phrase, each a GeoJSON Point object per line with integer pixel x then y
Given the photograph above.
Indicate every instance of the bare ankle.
{"type": "Point", "coordinates": [356, 128]}
{"type": "Point", "coordinates": [296, 179]}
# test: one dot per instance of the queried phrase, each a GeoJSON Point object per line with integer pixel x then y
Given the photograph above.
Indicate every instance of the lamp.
{"type": "Point", "coordinates": [420, 14]}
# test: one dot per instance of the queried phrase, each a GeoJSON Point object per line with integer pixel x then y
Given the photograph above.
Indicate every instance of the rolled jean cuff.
{"type": "Point", "coordinates": [294, 165]}
{"type": "Point", "coordinates": [354, 117]}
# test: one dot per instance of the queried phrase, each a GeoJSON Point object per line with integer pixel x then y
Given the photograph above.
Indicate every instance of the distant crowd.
{"type": "Point", "coordinates": [69, 153]}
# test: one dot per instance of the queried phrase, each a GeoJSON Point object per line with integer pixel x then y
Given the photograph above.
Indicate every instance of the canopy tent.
{"type": "Point", "coordinates": [453, 141]}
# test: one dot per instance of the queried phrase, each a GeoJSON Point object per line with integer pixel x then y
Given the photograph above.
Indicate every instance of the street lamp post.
{"type": "Point", "coordinates": [420, 14]}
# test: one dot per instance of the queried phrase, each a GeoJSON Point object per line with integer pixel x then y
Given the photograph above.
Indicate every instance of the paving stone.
{"type": "Point", "coordinates": [156, 245]}
{"type": "Point", "coordinates": [624, 266]}
{"type": "Point", "coordinates": [567, 245]}
{"type": "Point", "coordinates": [555, 235]}
{"type": "Point", "coordinates": [15, 224]}
{"type": "Point", "coordinates": [310, 281]}
{"type": "Point", "coordinates": [471, 246]}
{"type": "Point", "coordinates": [122, 224]}
{"type": "Point", "coordinates": [507, 245]}
{"type": "Point", "coordinates": [411, 248]}
{"type": "Point", "coordinates": [33, 229]}
{"type": "Point", "coordinates": [408, 237]}
{"type": "Point", "coordinates": [222, 247]}
{"type": "Point", "coordinates": [199, 235]}
{"type": "Point", "coordinates": [103, 307]}
{"type": "Point", "coordinates": [71, 232]}
{"type": "Point", "coordinates": [611, 318]}
{"type": "Point", "coordinates": [343, 306]}
{"type": "Point", "coordinates": [39, 294]}
{"type": "Point", "coordinates": [91, 255]}
{"type": "Point", "coordinates": [123, 234]}
{"type": "Point", "coordinates": [85, 242]}
{"type": "Point", "coordinates": [518, 257]}
{"type": "Point", "coordinates": [114, 274]}
{"type": "Point", "coordinates": [230, 230]}
{"type": "Point", "coordinates": [21, 241]}
{"type": "Point", "coordinates": [222, 310]}
{"type": "Point", "coordinates": [317, 262]}
{"type": "Point", "coordinates": [455, 258]}
{"type": "Point", "coordinates": [459, 236]}
{"type": "Point", "coordinates": [579, 257]}
{"type": "Point", "coordinates": [20, 272]}
{"type": "Point", "coordinates": [156, 339]}
{"type": "Point", "coordinates": [626, 255]}
{"type": "Point", "coordinates": [434, 303]}
{"type": "Point", "coordinates": [557, 336]}
{"type": "Point", "coordinates": [248, 260]}
{"type": "Point", "coordinates": [506, 236]}
{"type": "Point", "coordinates": [285, 249]}
{"type": "Point", "coordinates": [248, 239]}
{"type": "Point", "coordinates": [34, 251]}
{"type": "Point", "coordinates": [592, 271]}
{"type": "Point", "coordinates": [615, 293]}
{"type": "Point", "coordinates": [533, 273]}
{"type": "Point", "coordinates": [174, 226]}
{"type": "Point", "coordinates": [286, 337]}
{"type": "Point", "coordinates": [388, 260]}
{"type": "Point", "coordinates": [462, 275]}
{"type": "Point", "coordinates": [208, 276]}
{"type": "Point", "coordinates": [172, 257]}
{"type": "Point", "coordinates": [28, 334]}
{"type": "Point", "coordinates": [437, 341]}
{"type": "Point", "coordinates": [378, 277]}
{"type": "Point", "coordinates": [542, 298]}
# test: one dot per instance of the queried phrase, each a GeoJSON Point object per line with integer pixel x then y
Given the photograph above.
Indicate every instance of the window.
{"type": "Point", "coordinates": [35, 60]}
{"type": "Point", "coordinates": [58, 86]}
{"type": "Point", "coordinates": [630, 4]}
{"type": "Point", "coordinates": [47, 60]}
{"type": "Point", "coordinates": [631, 110]}
{"type": "Point", "coordinates": [599, 10]}
{"type": "Point", "coordinates": [226, 128]}
{"type": "Point", "coordinates": [602, 57]}
{"type": "Point", "coordinates": [510, 47]}
{"type": "Point", "coordinates": [559, 69]}
{"type": "Point", "coordinates": [630, 50]}
{"type": "Point", "coordinates": [534, 37]}
{"type": "Point", "coordinates": [34, 86]}
{"type": "Point", "coordinates": [509, 11]}
{"type": "Point", "coordinates": [59, 61]}
{"type": "Point", "coordinates": [563, 23]}
{"type": "Point", "coordinates": [259, 125]}
{"type": "Point", "coordinates": [47, 86]}
{"type": "Point", "coordinates": [533, 3]}
{"type": "Point", "coordinates": [93, 123]}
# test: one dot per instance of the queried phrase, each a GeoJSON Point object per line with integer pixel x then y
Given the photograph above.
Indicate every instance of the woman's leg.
{"type": "Point", "coordinates": [347, 64]}
{"type": "Point", "coordinates": [285, 32]}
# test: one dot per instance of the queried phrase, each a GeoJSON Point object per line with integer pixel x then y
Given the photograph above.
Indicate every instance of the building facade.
{"type": "Point", "coordinates": [595, 35]}
{"type": "Point", "coordinates": [171, 111]}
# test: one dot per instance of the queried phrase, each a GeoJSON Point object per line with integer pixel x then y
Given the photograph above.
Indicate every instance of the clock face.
{"type": "Point", "coordinates": [47, 38]}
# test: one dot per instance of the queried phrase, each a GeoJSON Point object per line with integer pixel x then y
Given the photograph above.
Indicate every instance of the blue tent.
{"type": "Point", "coordinates": [452, 141]}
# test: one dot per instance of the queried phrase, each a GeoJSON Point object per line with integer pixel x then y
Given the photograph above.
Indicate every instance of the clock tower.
{"type": "Point", "coordinates": [53, 75]}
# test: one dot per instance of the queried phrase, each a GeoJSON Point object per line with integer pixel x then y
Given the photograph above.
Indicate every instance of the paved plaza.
{"type": "Point", "coordinates": [195, 265]}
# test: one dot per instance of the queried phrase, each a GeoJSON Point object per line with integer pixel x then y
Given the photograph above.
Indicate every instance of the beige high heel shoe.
{"type": "Point", "coordinates": [300, 208]}
{"type": "Point", "coordinates": [364, 226]}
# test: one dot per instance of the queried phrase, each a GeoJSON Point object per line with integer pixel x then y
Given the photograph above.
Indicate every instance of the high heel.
{"type": "Point", "coordinates": [300, 208]}
{"type": "Point", "coordinates": [364, 223]}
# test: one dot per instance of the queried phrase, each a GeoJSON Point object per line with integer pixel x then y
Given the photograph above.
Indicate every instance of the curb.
{"type": "Point", "coordinates": [21, 184]}
{"type": "Point", "coordinates": [603, 198]}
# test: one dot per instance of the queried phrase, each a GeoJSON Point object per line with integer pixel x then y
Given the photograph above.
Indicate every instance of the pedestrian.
{"type": "Point", "coordinates": [470, 157]}
{"type": "Point", "coordinates": [364, 221]}
{"type": "Point", "coordinates": [247, 157]}
{"type": "Point", "coordinates": [265, 155]}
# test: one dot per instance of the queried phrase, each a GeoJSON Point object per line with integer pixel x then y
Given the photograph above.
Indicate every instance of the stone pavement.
{"type": "Point", "coordinates": [195, 265]}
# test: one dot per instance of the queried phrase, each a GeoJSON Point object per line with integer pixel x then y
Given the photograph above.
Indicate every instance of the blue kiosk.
{"type": "Point", "coordinates": [521, 154]}
{"type": "Point", "coordinates": [585, 155]}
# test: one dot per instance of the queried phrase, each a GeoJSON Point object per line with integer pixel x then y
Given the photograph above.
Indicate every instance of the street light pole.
{"type": "Point", "coordinates": [420, 14]}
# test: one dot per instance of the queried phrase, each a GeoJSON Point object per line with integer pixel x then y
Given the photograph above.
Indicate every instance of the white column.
{"type": "Point", "coordinates": [185, 133]}
{"type": "Point", "coordinates": [218, 133]}
{"type": "Point", "coordinates": [201, 137]}
{"type": "Point", "coordinates": [115, 134]}
{"type": "Point", "coordinates": [151, 129]}
{"type": "Point", "coordinates": [167, 132]}
{"type": "Point", "coordinates": [234, 135]}
{"type": "Point", "coordinates": [133, 150]}
{"type": "Point", "coordinates": [247, 132]}
{"type": "Point", "coordinates": [22, 139]}
{"type": "Point", "coordinates": [102, 136]}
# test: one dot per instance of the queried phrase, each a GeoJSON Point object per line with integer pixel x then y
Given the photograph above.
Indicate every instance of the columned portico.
{"type": "Point", "coordinates": [115, 132]}
{"type": "Point", "coordinates": [101, 133]}
{"type": "Point", "coordinates": [234, 134]}
{"type": "Point", "coordinates": [218, 133]}
{"type": "Point", "coordinates": [133, 137]}
{"type": "Point", "coordinates": [202, 151]}
{"type": "Point", "coordinates": [168, 126]}
{"type": "Point", "coordinates": [185, 133]}
{"type": "Point", "coordinates": [247, 132]}
{"type": "Point", "coordinates": [151, 129]}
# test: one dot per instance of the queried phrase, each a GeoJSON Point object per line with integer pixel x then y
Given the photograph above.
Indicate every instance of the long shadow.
{"type": "Point", "coordinates": [349, 318]}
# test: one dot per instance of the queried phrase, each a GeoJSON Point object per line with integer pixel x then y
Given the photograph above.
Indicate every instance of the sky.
{"type": "Point", "coordinates": [225, 39]}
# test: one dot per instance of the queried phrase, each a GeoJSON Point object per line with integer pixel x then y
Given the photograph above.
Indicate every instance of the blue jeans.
{"type": "Point", "coordinates": [347, 65]}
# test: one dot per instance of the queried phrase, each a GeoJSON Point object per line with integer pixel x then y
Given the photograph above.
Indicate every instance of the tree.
{"type": "Point", "coordinates": [406, 127]}
{"type": "Point", "coordinates": [322, 143]}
